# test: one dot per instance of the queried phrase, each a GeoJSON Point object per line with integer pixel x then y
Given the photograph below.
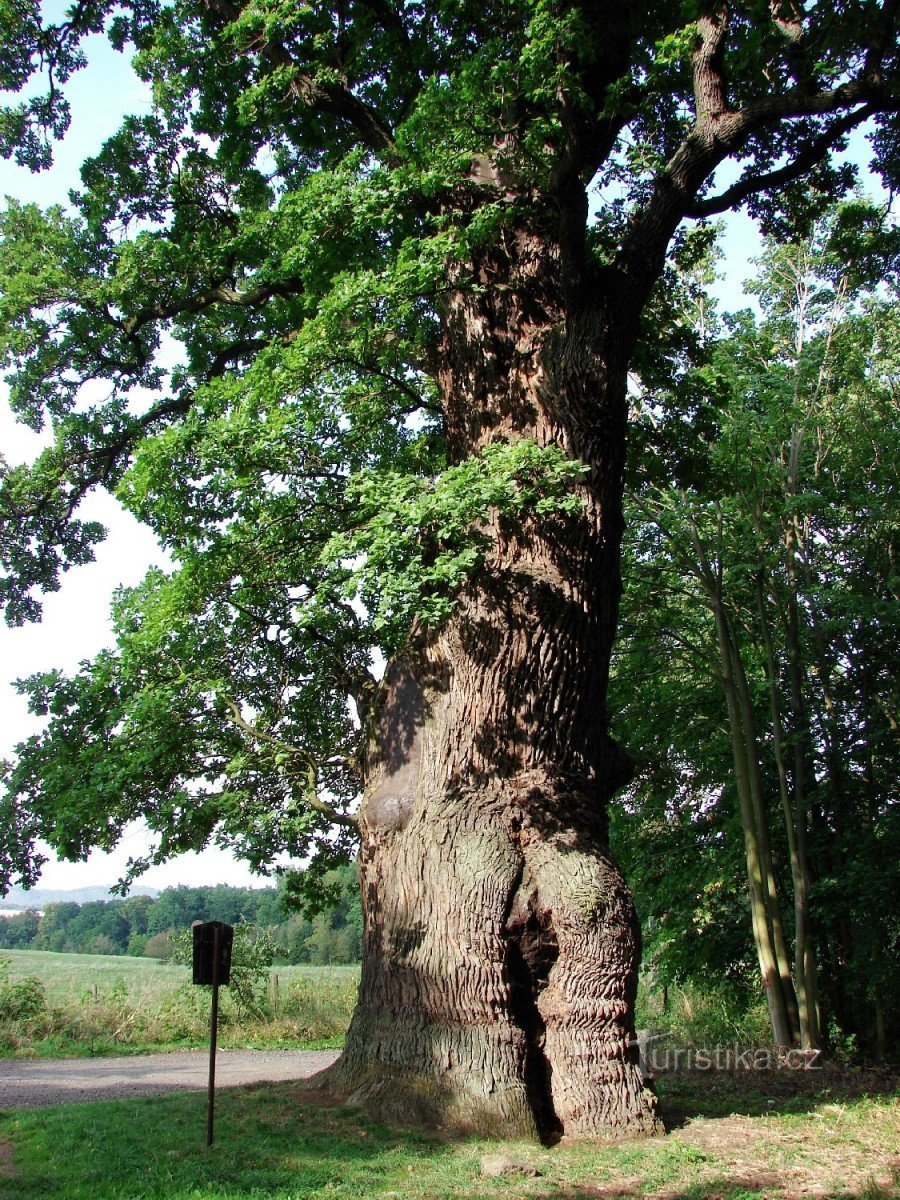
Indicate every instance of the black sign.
{"type": "Point", "coordinates": [212, 940]}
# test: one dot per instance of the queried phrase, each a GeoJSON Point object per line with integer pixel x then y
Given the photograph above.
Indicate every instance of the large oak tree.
{"type": "Point", "coordinates": [401, 254]}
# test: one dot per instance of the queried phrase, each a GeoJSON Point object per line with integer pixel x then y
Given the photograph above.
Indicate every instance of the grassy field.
{"type": "Point", "coordinates": [729, 1139]}
{"type": "Point", "coordinates": [68, 977]}
{"type": "Point", "coordinates": [98, 1004]}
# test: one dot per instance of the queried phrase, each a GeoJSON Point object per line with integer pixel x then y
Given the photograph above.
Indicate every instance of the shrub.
{"type": "Point", "coordinates": [21, 1000]}
{"type": "Point", "coordinates": [161, 946]}
{"type": "Point", "coordinates": [102, 944]}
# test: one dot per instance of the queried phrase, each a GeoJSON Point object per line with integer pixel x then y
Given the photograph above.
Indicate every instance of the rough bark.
{"type": "Point", "coordinates": [501, 944]}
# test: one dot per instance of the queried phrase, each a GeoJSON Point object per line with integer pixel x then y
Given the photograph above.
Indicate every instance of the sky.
{"type": "Point", "coordinates": [76, 624]}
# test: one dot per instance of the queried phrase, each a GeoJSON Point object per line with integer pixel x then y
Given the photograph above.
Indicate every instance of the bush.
{"type": "Point", "coordinates": [21, 1000]}
{"type": "Point", "coordinates": [161, 946]}
{"type": "Point", "coordinates": [102, 944]}
{"type": "Point", "coordinates": [252, 953]}
{"type": "Point", "coordinates": [319, 1009]}
{"type": "Point", "coordinates": [706, 1019]}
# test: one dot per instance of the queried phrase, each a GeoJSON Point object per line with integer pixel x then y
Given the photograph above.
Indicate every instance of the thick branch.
{"type": "Point", "coordinates": [811, 154]}
{"type": "Point", "coordinates": [714, 138]}
{"type": "Point", "coordinates": [710, 85]}
{"type": "Point", "coordinates": [885, 37]}
{"type": "Point", "coordinates": [788, 17]}
{"type": "Point", "coordinates": [217, 293]}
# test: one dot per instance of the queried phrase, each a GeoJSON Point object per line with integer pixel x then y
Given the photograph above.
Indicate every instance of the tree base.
{"type": "Point", "coordinates": [624, 1106]}
{"type": "Point", "coordinates": [498, 983]}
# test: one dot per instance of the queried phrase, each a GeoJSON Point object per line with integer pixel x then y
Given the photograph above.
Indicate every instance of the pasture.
{"type": "Point", "coordinates": [101, 1004]}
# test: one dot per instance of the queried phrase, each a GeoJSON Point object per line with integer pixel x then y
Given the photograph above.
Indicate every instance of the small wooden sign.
{"type": "Point", "coordinates": [212, 941]}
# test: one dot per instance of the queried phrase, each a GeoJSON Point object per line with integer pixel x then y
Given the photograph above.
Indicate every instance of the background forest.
{"type": "Point", "coordinates": [756, 665]}
{"type": "Point", "coordinates": [147, 925]}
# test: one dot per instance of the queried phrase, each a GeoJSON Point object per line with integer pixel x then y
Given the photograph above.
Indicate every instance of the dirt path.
{"type": "Point", "coordinates": [33, 1083]}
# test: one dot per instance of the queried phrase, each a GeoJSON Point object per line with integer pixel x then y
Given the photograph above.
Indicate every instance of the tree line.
{"type": "Point", "coordinates": [144, 925]}
{"type": "Point", "coordinates": [755, 677]}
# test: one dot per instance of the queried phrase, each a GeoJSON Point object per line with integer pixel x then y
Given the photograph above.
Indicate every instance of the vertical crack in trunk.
{"type": "Point", "coordinates": [531, 951]}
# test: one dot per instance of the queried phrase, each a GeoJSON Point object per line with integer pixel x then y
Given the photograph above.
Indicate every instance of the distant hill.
{"type": "Point", "coordinates": [40, 897]}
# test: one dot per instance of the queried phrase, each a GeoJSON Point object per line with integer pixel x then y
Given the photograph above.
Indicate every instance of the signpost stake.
{"type": "Point", "coordinates": [212, 965]}
{"type": "Point", "coordinates": [213, 1035]}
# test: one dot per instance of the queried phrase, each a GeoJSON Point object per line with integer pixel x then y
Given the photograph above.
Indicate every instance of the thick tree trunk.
{"type": "Point", "coordinates": [501, 945]}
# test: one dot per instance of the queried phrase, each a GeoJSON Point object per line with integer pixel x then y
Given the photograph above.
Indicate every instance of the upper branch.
{"type": "Point", "coordinates": [719, 132]}
{"type": "Point", "coordinates": [710, 84]}
{"type": "Point", "coordinates": [327, 96]}
{"type": "Point", "coordinates": [218, 292]}
{"type": "Point", "coordinates": [813, 152]}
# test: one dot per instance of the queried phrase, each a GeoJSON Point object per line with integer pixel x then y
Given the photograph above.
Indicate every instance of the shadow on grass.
{"type": "Point", "coordinates": [689, 1095]}
{"type": "Point", "coordinates": [266, 1144]}
{"type": "Point", "coordinates": [271, 1143]}
{"type": "Point", "coordinates": [732, 1187]}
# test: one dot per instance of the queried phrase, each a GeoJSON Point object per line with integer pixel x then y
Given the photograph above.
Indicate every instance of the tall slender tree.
{"type": "Point", "coordinates": [404, 382]}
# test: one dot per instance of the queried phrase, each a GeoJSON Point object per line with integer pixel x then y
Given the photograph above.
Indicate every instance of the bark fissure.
{"type": "Point", "coordinates": [531, 953]}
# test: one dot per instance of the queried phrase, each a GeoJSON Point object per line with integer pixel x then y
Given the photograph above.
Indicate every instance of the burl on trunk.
{"type": "Point", "coordinates": [501, 944]}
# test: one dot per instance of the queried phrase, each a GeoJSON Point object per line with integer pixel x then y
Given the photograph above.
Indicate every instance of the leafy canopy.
{"type": "Point", "coordinates": [236, 327]}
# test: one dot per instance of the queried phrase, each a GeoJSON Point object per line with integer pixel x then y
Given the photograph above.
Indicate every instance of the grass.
{"type": "Point", "coordinates": [100, 1004]}
{"type": "Point", "coordinates": [840, 1140]}
{"type": "Point", "coordinates": [70, 976]}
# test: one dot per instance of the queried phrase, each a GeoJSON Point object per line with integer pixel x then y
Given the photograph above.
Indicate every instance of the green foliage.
{"type": "Point", "coordinates": [703, 1018]}
{"type": "Point", "coordinates": [22, 999]}
{"type": "Point", "coordinates": [19, 930]}
{"type": "Point", "coordinates": [785, 517]}
{"type": "Point", "coordinates": [419, 540]}
{"type": "Point", "coordinates": [159, 945]}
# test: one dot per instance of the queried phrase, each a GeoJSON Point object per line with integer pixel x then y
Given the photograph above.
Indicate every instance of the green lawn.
{"type": "Point", "coordinates": [727, 1143]}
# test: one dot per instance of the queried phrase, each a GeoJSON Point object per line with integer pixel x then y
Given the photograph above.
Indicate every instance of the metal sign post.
{"type": "Point", "coordinates": [212, 965]}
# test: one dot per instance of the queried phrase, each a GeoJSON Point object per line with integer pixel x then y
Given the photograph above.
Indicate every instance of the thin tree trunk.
{"type": "Point", "coordinates": [795, 826]}
{"type": "Point", "coordinates": [762, 934]}
{"type": "Point", "coordinates": [803, 773]}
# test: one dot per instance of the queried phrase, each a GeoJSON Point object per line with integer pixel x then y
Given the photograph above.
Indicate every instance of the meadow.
{"type": "Point", "coordinates": [83, 1004]}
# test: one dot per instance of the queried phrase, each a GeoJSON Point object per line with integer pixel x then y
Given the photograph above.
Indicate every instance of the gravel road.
{"type": "Point", "coordinates": [32, 1083]}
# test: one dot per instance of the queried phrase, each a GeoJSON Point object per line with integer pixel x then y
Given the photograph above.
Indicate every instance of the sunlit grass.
{"type": "Point", "coordinates": [100, 1004]}
{"type": "Point", "coordinates": [270, 1143]}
